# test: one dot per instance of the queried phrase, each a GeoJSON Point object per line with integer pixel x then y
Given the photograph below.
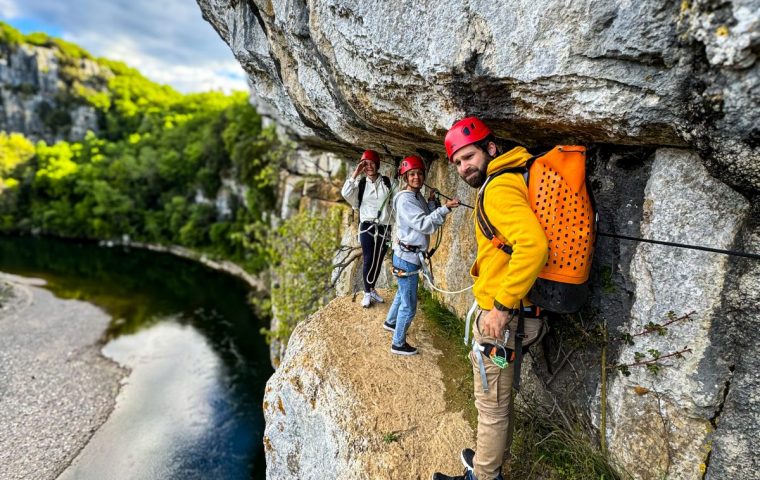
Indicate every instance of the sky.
{"type": "Point", "coordinates": [167, 40]}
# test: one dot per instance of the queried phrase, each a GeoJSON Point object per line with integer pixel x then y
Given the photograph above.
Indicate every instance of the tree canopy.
{"type": "Point", "coordinates": [154, 172]}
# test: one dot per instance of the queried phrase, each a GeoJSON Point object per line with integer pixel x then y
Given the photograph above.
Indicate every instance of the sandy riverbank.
{"type": "Point", "coordinates": [56, 388]}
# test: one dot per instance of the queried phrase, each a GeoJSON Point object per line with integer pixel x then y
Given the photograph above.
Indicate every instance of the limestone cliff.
{"type": "Point", "coordinates": [665, 95]}
{"type": "Point", "coordinates": [36, 88]}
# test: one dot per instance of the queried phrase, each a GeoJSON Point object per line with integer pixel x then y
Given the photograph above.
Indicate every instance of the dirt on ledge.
{"type": "Point", "coordinates": [391, 410]}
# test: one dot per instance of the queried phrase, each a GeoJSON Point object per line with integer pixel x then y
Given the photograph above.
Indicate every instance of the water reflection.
{"type": "Point", "coordinates": [191, 407]}
{"type": "Point", "coordinates": [173, 418]}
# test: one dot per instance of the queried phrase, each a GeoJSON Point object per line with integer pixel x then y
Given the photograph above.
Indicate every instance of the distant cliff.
{"type": "Point", "coordinates": [666, 95]}
{"type": "Point", "coordinates": [44, 88]}
{"type": "Point", "coordinates": [90, 148]}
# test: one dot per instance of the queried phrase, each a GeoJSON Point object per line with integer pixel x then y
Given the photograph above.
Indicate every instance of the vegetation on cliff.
{"type": "Point", "coordinates": [300, 253]}
{"type": "Point", "coordinates": [154, 171]}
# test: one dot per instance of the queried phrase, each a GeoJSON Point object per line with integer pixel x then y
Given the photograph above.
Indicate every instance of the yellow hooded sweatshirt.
{"type": "Point", "coordinates": [498, 276]}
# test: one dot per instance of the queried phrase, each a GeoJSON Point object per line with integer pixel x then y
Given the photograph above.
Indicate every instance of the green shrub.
{"type": "Point", "coordinates": [71, 50]}
{"type": "Point", "coordinates": [301, 251]}
{"type": "Point", "coordinates": [140, 177]}
{"type": "Point", "coordinates": [15, 149]}
{"type": "Point", "coordinates": [39, 39]}
{"type": "Point", "coordinates": [9, 35]}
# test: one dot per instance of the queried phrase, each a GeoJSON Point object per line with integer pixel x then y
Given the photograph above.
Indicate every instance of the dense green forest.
{"type": "Point", "coordinates": [157, 153]}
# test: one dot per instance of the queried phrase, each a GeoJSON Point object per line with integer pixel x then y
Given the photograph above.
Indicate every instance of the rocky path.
{"type": "Point", "coordinates": [55, 387]}
{"type": "Point", "coordinates": [342, 406]}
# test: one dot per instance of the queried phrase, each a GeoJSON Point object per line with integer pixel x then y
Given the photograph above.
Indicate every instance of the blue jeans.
{"type": "Point", "coordinates": [404, 304]}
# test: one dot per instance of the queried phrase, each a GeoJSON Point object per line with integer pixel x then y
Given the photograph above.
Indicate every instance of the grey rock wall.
{"type": "Point", "coordinates": [734, 441]}
{"type": "Point", "coordinates": [666, 95]}
{"type": "Point", "coordinates": [34, 98]}
{"type": "Point", "coordinates": [684, 204]}
{"type": "Point", "coordinates": [353, 74]}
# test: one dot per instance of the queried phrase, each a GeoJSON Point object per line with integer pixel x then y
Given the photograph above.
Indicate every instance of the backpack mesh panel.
{"type": "Point", "coordinates": [558, 196]}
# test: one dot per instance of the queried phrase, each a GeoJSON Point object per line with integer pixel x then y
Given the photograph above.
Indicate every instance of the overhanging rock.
{"type": "Point", "coordinates": [348, 75]}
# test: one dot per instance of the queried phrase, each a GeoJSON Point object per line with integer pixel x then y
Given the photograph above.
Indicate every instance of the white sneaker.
{"type": "Point", "coordinates": [377, 298]}
{"type": "Point", "coordinates": [366, 300]}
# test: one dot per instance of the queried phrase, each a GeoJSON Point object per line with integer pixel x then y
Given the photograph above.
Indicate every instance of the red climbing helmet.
{"type": "Point", "coordinates": [371, 155]}
{"type": "Point", "coordinates": [465, 132]}
{"type": "Point", "coordinates": [411, 162]}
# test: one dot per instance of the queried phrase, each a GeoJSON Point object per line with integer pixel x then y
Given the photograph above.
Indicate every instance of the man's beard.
{"type": "Point", "coordinates": [476, 179]}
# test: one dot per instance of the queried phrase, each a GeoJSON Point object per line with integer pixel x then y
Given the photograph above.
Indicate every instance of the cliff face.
{"type": "Point", "coordinates": [665, 95]}
{"type": "Point", "coordinates": [35, 85]}
{"type": "Point", "coordinates": [350, 74]}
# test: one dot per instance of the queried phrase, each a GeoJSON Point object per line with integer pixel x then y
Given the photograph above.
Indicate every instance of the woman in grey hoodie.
{"type": "Point", "coordinates": [415, 220]}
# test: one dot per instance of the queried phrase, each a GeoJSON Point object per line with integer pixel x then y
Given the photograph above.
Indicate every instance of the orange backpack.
{"type": "Point", "coordinates": [564, 207]}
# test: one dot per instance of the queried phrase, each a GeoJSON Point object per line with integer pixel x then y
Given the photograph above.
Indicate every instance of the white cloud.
{"type": "Point", "coordinates": [168, 40]}
{"type": "Point", "coordinates": [8, 8]}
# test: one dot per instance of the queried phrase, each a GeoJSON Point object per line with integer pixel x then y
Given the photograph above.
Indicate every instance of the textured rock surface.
{"type": "Point", "coordinates": [366, 414]}
{"type": "Point", "coordinates": [682, 203]}
{"type": "Point", "coordinates": [33, 90]}
{"type": "Point", "coordinates": [735, 442]}
{"type": "Point", "coordinates": [626, 78]}
{"type": "Point", "coordinates": [350, 74]}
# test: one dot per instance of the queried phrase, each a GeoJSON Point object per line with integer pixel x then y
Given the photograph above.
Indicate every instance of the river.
{"type": "Point", "coordinates": [190, 406]}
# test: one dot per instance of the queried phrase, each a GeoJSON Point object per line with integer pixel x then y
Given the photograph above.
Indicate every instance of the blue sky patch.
{"type": "Point", "coordinates": [167, 41]}
{"type": "Point", "coordinates": [31, 25]}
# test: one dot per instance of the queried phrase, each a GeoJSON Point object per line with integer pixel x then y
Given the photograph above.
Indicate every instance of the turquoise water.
{"type": "Point", "coordinates": [191, 404]}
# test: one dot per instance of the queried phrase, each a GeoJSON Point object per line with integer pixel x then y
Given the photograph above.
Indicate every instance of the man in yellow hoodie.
{"type": "Point", "coordinates": [502, 282]}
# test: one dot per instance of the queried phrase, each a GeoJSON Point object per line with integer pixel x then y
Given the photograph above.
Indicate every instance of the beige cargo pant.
{"type": "Point", "coordinates": [496, 406]}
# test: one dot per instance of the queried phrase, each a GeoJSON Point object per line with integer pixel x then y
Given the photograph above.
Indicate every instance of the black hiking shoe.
{"type": "Point", "coordinates": [468, 458]}
{"type": "Point", "coordinates": [467, 475]}
{"type": "Point", "coordinates": [404, 349]}
{"type": "Point", "coordinates": [391, 327]}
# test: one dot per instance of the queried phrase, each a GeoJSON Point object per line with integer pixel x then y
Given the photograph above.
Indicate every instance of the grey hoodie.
{"type": "Point", "coordinates": [415, 220]}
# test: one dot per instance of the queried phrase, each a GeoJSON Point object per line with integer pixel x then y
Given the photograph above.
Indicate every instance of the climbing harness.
{"type": "Point", "coordinates": [425, 266]}
{"type": "Point", "coordinates": [424, 257]}
{"type": "Point", "coordinates": [499, 354]}
{"type": "Point", "coordinates": [380, 234]}
{"type": "Point", "coordinates": [399, 272]}
{"type": "Point", "coordinates": [373, 225]}
{"type": "Point", "coordinates": [426, 271]}
{"type": "Point", "coordinates": [410, 248]}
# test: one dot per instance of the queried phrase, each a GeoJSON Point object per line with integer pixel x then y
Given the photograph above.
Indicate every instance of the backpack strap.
{"type": "Point", "coordinates": [480, 212]}
{"type": "Point", "coordinates": [362, 186]}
